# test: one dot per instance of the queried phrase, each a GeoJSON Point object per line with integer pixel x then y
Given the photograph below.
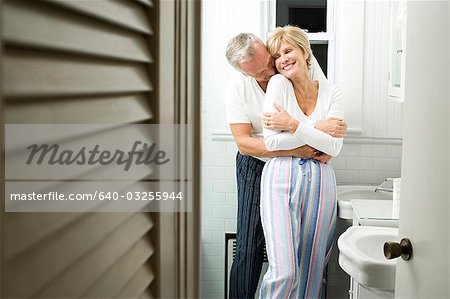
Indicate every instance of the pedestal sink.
{"type": "Point", "coordinates": [361, 256]}
{"type": "Point", "coordinates": [345, 193]}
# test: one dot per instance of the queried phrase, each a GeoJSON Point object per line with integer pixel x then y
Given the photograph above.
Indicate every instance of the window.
{"type": "Point", "coordinates": [313, 19]}
{"type": "Point", "coordinates": [316, 18]}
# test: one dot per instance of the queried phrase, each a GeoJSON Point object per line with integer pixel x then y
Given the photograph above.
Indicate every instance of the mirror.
{"type": "Point", "coordinates": [397, 51]}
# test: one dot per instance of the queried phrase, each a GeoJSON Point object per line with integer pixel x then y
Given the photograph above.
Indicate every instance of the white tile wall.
{"type": "Point", "coordinates": [346, 176]}
{"type": "Point", "coordinates": [373, 150]}
{"type": "Point", "coordinates": [367, 163]}
{"type": "Point", "coordinates": [225, 212]}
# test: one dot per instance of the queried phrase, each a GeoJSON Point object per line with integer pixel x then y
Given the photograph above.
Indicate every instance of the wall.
{"type": "Point", "coordinates": [362, 65]}
{"type": "Point", "coordinates": [381, 117]}
{"type": "Point", "coordinates": [365, 159]}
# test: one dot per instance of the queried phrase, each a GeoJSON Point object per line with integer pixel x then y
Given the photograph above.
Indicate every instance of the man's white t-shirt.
{"type": "Point", "coordinates": [244, 103]}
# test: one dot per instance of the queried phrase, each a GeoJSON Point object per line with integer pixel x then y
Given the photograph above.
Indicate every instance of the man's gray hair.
{"type": "Point", "coordinates": [240, 48]}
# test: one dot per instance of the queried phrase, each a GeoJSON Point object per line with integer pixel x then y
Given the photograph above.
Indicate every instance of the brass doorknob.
{"type": "Point", "coordinates": [393, 250]}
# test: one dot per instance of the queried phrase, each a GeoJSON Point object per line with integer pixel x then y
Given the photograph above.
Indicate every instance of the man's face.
{"type": "Point", "coordinates": [260, 66]}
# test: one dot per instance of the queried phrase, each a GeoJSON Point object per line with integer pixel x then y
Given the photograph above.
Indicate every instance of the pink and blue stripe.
{"type": "Point", "coordinates": [298, 213]}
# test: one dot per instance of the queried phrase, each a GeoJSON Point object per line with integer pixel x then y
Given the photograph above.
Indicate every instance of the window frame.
{"type": "Point", "coordinates": [268, 21]}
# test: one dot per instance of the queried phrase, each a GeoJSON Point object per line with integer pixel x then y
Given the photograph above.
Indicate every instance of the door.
{"type": "Point", "coordinates": [98, 62]}
{"type": "Point", "coordinates": [73, 62]}
{"type": "Point", "coordinates": [424, 212]}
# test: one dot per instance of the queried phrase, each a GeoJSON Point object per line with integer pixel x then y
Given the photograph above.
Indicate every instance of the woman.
{"type": "Point", "coordinates": [298, 201]}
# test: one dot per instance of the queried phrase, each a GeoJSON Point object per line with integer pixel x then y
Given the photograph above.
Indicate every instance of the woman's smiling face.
{"type": "Point", "coordinates": [290, 61]}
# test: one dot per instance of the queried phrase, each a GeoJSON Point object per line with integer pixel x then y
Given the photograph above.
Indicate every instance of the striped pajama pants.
{"type": "Point", "coordinates": [298, 213]}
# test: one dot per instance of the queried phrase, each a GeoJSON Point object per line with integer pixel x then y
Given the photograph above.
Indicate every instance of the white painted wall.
{"type": "Point", "coordinates": [381, 116]}
{"type": "Point", "coordinates": [350, 59]}
{"type": "Point", "coordinates": [362, 65]}
{"type": "Point", "coordinates": [363, 160]}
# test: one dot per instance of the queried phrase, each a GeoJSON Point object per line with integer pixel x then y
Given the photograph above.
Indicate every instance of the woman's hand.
{"type": "Point", "coordinates": [279, 120]}
{"type": "Point", "coordinates": [333, 126]}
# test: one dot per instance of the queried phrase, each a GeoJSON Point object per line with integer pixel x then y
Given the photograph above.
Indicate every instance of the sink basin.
{"type": "Point", "coordinates": [345, 193]}
{"type": "Point", "coordinates": [361, 256]}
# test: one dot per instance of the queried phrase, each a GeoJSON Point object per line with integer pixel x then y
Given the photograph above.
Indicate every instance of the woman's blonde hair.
{"type": "Point", "coordinates": [291, 35]}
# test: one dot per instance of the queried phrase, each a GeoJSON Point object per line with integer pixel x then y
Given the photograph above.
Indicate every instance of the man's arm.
{"type": "Point", "coordinates": [254, 146]}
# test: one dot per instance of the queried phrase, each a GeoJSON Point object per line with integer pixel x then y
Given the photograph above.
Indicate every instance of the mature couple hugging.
{"type": "Point", "coordinates": [287, 127]}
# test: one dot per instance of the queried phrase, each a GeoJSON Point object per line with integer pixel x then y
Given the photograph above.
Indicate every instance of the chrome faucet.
{"type": "Point", "coordinates": [378, 189]}
{"type": "Point", "coordinates": [385, 186]}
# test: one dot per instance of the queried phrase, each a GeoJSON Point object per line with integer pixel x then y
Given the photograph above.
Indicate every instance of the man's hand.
{"type": "Point", "coordinates": [304, 151]}
{"type": "Point", "coordinates": [333, 126]}
{"type": "Point", "coordinates": [324, 158]}
{"type": "Point", "coordinates": [309, 152]}
{"type": "Point", "coordinates": [279, 120]}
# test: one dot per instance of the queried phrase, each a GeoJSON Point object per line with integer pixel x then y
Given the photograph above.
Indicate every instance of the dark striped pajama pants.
{"type": "Point", "coordinates": [246, 268]}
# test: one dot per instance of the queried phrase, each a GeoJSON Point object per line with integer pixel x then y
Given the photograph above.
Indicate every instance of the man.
{"type": "Point", "coordinates": [248, 55]}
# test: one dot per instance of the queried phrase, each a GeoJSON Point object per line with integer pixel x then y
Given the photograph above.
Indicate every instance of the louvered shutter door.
{"type": "Point", "coordinates": [77, 62]}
